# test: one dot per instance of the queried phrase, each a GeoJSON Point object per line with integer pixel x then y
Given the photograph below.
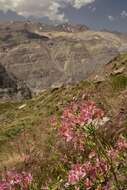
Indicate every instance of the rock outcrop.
{"type": "Point", "coordinates": [10, 88]}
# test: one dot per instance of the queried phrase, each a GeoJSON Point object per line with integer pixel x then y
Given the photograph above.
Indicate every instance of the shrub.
{"type": "Point", "coordinates": [93, 164]}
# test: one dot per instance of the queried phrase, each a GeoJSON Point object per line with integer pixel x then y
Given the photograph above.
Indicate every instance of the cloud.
{"type": "Point", "coordinates": [123, 14]}
{"type": "Point", "coordinates": [79, 3]}
{"type": "Point", "coordinates": [111, 18]}
{"type": "Point", "coordinates": [92, 8]}
{"type": "Point", "coordinates": [43, 8]}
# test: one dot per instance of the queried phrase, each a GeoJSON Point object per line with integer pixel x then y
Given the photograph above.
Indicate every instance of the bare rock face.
{"type": "Point", "coordinates": [40, 57]}
{"type": "Point", "coordinates": [11, 88]}
{"type": "Point", "coordinates": [5, 80]}
{"type": "Point", "coordinates": [117, 66]}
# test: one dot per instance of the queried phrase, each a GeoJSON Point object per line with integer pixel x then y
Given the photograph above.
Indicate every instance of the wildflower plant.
{"type": "Point", "coordinates": [96, 166]}
{"type": "Point", "coordinates": [13, 180]}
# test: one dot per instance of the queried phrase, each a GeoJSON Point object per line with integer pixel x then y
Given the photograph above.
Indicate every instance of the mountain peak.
{"type": "Point", "coordinates": [67, 27]}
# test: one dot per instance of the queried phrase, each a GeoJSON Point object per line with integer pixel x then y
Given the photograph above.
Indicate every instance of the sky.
{"type": "Point", "coordinates": [96, 14]}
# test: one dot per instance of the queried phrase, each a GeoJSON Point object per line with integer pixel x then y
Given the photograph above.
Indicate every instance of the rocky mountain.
{"type": "Point", "coordinates": [40, 56]}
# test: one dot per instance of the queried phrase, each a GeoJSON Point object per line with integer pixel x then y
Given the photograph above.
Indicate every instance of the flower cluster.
{"type": "Point", "coordinates": [120, 147]}
{"type": "Point", "coordinates": [75, 117]}
{"type": "Point", "coordinates": [96, 168]}
{"type": "Point", "coordinates": [14, 180]}
{"type": "Point", "coordinates": [97, 161]}
{"type": "Point", "coordinates": [121, 144]}
{"type": "Point", "coordinates": [88, 173]}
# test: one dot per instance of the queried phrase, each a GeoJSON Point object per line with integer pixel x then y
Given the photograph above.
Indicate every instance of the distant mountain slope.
{"type": "Point", "coordinates": [43, 56]}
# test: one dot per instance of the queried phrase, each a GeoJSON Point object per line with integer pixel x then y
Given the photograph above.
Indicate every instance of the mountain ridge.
{"type": "Point", "coordinates": [43, 56]}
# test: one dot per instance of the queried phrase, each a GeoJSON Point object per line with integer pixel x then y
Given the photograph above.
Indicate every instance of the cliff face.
{"type": "Point", "coordinates": [10, 88]}
{"type": "Point", "coordinates": [40, 57]}
{"type": "Point", "coordinates": [5, 80]}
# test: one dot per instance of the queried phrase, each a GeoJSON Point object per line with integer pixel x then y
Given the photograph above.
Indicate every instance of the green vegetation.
{"type": "Point", "coordinates": [13, 119]}
{"type": "Point", "coordinates": [119, 82]}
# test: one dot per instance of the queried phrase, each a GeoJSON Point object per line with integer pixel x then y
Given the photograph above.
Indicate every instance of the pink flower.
{"type": "Point", "coordinates": [88, 167]}
{"type": "Point", "coordinates": [74, 118]}
{"type": "Point", "coordinates": [66, 132]}
{"type": "Point", "coordinates": [92, 155]}
{"type": "Point", "coordinates": [101, 166]}
{"type": "Point", "coordinates": [76, 174]}
{"type": "Point", "coordinates": [89, 172]}
{"type": "Point", "coordinates": [53, 121]}
{"type": "Point", "coordinates": [14, 178]}
{"type": "Point", "coordinates": [4, 185]}
{"type": "Point", "coordinates": [121, 144]}
{"type": "Point", "coordinates": [27, 178]}
{"type": "Point", "coordinates": [113, 153]}
{"type": "Point", "coordinates": [88, 184]}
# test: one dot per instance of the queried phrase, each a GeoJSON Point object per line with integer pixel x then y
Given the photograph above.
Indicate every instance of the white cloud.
{"type": "Point", "coordinates": [93, 9]}
{"type": "Point", "coordinates": [111, 18]}
{"type": "Point", "coordinates": [79, 3]}
{"type": "Point", "coordinates": [41, 8]}
{"type": "Point", "coordinates": [123, 14]}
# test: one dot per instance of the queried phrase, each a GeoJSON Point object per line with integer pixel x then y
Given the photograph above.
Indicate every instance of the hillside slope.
{"type": "Point", "coordinates": [32, 116]}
